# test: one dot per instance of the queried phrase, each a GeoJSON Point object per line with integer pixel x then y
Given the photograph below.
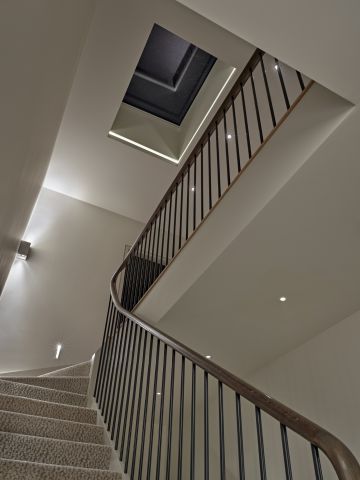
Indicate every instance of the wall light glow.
{"type": "Point", "coordinates": [162, 155]}
{"type": "Point", "coordinates": [58, 350]}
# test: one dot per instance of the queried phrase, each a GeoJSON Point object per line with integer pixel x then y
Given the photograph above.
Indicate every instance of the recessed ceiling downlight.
{"type": "Point", "coordinates": [282, 299]}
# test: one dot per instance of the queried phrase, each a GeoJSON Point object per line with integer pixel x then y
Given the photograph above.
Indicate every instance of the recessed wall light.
{"type": "Point", "coordinates": [229, 136]}
{"type": "Point", "coordinates": [276, 67]}
{"type": "Point", "coordinates": [193, 189]}
{"type": "Point", "coordinates": [58, 350]}
{"type": "Point", "coordinates": [282, 299]}
{"type": "Point", "coordinates": [158, 394]}
{"type": "Point", "coordinates": [208, 357]}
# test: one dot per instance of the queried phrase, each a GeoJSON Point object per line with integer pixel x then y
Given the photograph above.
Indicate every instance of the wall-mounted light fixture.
{"type": "Point", "coordinates": [23, 250]}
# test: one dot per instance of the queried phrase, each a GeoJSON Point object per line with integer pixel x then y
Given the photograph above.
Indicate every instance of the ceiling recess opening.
{"type": "Point", "coordinates": [168, 76]}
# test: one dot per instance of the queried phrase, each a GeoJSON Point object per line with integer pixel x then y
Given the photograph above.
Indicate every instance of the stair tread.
{"type": "Point", "coordinates": [50, 427]}
{"type": "Point", "coordinates": [78, 384]}
{"type": "Point", "coordinates": [43, 408]}
{"type": "Point", "coordinates": [32, 448]}
{"type": "Point", "coordinates": [42, 393]}
{"type": "Point", "coordinates": [72, 370]}
{"type": "Point", "coordinates": [20, 470]}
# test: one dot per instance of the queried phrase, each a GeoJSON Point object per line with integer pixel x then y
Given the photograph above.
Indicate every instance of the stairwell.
{"type": "Point", "coordinates": [47, 430]}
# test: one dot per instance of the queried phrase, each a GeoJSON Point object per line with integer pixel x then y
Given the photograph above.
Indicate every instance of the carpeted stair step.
{"type": "Point", "coordinates": [41, 408]}
{"type": "Point", "coordinates": [50, 428]}
{"type": "Point", "coordinates": [18, 470]}
{"type": "Point", "coordinates": [65, 384]}
{"type": "Point", "coordinates": [29, 448]}
{"type": "Point", "coordinates": [40, 393]}
{"type": "Point", "coordinates": [79, 370]}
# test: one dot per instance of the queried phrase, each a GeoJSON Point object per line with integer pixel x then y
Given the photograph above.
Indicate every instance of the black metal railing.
{"type": "Point", "coordinates": [262, 97]}
{"type": "Point", "coordinates": [174, 414]}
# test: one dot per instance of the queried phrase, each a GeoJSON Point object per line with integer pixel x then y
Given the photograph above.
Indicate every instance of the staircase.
{"type": "Point", "coordinates": [48, 432]}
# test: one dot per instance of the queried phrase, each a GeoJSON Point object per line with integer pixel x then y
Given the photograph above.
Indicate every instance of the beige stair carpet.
{"type": "Point", "coordinates": [47, 432]}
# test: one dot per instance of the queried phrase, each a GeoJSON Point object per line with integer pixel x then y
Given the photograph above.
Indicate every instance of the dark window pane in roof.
{"type": "Point", "coordinates": [168, 76]}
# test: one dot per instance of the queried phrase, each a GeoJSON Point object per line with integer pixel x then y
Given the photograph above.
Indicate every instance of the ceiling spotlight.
{"type": "Point", "coordinates": [23, 250]}
{"type": "Point", "coordinates": [58, 350]}
{"type": "Point", "coordinates": [193, 189]}
{"type": "Point", "coordinates": [208, 357]}
{"type": "Point", "coordinates": [276, 66]}
{"type": "Point", "coordinates": [282, 299]}
{"type": "Point", "coordinates": [229, 136]}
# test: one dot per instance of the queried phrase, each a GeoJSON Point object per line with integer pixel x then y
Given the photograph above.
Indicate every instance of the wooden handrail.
{"type": "Point", "coordinates": [342, 459]}
{"type": "Point", "coordinates": [254, 60]}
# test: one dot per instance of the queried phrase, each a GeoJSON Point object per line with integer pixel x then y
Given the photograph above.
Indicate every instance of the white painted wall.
{"type": "Point", "coordinates": [320, 379]}
{"type": "Point", "coordinates": [60, 294]}
{"type": "Point", "coordinates": [40, 45]}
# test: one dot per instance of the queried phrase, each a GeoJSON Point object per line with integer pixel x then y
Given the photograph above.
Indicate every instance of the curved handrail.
{"type": "Point", "coordinates": [342, 459]}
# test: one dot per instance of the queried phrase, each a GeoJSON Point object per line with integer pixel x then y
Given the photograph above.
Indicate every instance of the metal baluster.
{"type": "Point", "coordinates": [118, 370]}
{"type": "Point", "coordinates": [99, 375]}
{"type": "Point", "coordinates": [161, 415]}
{"type": "Point", "coordinates": [169, 230]}
{"type": "Point", "coordinates": [128, 388]}
{"type": "Point", "coordinates": [112, 371]}
{"type": "Point", "coordinates": [158, 264]}
{"type": "Point", "coordinates": [206, 426]}
{"type": "Point", "coordinates": [131, 279]}
{"type": "Point", "coordinates": [147, 260]}
{"type": "Point", "coordinates": [141, 459]}
{"type": "Point", "coordinates": [181, 210]}
{"type": "Point", "coordinates": [175, 212]}
{"type": "Point", "coordinates": [152, 420]}
{"type": "Point", "coordinates": [317, 463]}
{"type": "Point", "coordinates": [236, 134]}
{"type": "Point", "coordinates": [187, 203]}
{"type": "Point", "coordinates": [246, 122]}
{"type": "Point", "coordinates": [240, 437]}
{"type": "Point", "coordinates": [221, 431]}
{"type": "Point", "coordinates": [194, 191]}
{"type": "Point", "coordinates": [226, 148]}
{"type": "Point", "coordinates": [209, 162]}
{"type": "Point", "coordinates": [202, 181]}
{"type": "Point", "coordinates": [170, 419]}
{"type": "Point", "coordinates": [256, 107]}
{"type": "Point", "coordinates": [301, 81]}
{"type": "Point", "coordinates": [218, 159]}
{"type": "Point", "coordinates": [153, 259]}
{"type": "Point", "coordinates": [138, 292]}
{"type": "Point", "coordinates": [163, 234]}
{"type": "Point", "coordinates": [120, 409]}
{"type": "Point", "coordinates": [267, 88]}
{"type": "Point", "coordinates": [193, 406]}
{"type": "Point", "coordinates": [122, 362]}
{"type": "Point", "coordinates": [286, 452]}
{"type": "Point", "coordinates": [286, 98]}
{"type": "Point", "coordinates": [137, 412]}
{"type": "Point", "coordinates": [110, 340]}
{"type": "Point", "coordinates": [181, 418]}
{"type": "Point", "coordinates": [260, 439]}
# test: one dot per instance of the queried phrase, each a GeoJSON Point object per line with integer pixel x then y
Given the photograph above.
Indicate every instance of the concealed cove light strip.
{"type": "Point", "coordinates": [162, 155]}
{"type": "Point", "coordinates": [143, 147]}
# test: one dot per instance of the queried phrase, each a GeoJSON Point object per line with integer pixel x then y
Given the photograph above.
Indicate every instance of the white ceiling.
{"type": "Point", "coordinates": [88, 165]}
{"type": "Point", "coordinates": [304, 245]}
{"type": "Point", "coordinates": [320, 38]}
